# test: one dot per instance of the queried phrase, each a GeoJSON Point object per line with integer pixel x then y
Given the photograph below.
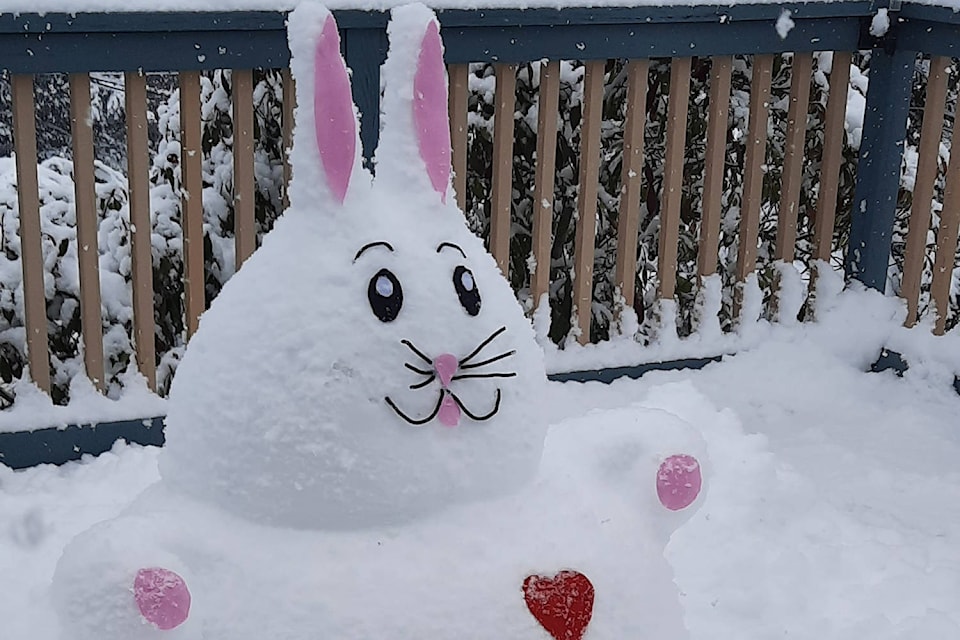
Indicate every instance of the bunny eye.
{"type": "Point", "coordinates": [385, 295]}
{"type": "Point", "coordinates": [466, 289]}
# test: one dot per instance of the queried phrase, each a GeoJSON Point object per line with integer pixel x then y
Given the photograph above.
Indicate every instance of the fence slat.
{"type": "Point", "coordinates": [927, 163]}
{"type": "Point", "coordinates": [501, 186]}
{"type": "Point", "coordinates": [789, 207]}
{"type": "Point", "coordinates": [673, 177]}
{"type": "Point", "coordinates": [719, 110]}
{"type": "Point", "coordinates": [31, 253]}
{"type": "Point", "coordinates": [191, 198]}
{"type": "Point", "coordinates": [289, 105]}
{"type": "Point", "coordinates": [138, 179]}
{"type": "Point", "coordinates": [459, 75]}
{"type": "Point", "coordinates": [753, 173]}
{"type": "Point", "coordinates": [88, 254]}
{"type": "Point", "coordinates": [585, 238]}
{"type": "Point", "coordinates": [244, 181]}
{"type": "Point", "coordinates": [947, 234]}
{"type": "Point", "coordinates": [628, 218]}
{"type": "Point", "coordinates": [793, 157]}
{"type": "Point", "coordinates": [545, 172]}
{"type": "Point", "coordinates": [832, 157]}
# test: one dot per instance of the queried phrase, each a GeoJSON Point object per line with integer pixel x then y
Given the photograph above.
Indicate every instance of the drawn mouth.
{"type": "Point", "coordinates": [448, 408]}
{"type": "Point", "coordinates": [447, 368]}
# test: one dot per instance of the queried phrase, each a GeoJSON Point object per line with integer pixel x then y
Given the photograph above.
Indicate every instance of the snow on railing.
{"type": "Point", "coordinates": [635, 191]}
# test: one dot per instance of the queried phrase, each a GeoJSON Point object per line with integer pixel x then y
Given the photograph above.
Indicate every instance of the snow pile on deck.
{"type": "Point", "coordinates": [833, 511]}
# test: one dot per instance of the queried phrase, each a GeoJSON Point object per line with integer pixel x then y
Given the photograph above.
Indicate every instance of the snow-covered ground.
{"type": "Point", "coordinates": [833, 511]}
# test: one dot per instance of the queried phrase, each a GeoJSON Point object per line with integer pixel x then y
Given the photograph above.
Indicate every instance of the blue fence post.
{"type": "Point", "coordinates": [881, 152]}
{"type": "Point", "coordinates": [364, 50]}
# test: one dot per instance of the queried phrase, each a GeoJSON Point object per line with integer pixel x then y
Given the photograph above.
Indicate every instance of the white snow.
{"type": "Point", "coordinates": [834, 502]}
{"type": "Point", "coordinates": [784, 24]}
{"type": "Point", "coordinates": [334, 375]}
{"type": "Point", "coordinates": [35, 410]}
{"type": "Point", "coordinates": [707, 309]}
{"type": "Point", "coordinates": [856, 105]}
{"type": "Point", "coordinates": [880, 23]}
{"type": "Point", "coordinates": [791, 293]}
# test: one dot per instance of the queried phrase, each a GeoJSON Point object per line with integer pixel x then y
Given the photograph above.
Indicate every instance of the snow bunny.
{"type": "Point", "coordinates": [356, 447]}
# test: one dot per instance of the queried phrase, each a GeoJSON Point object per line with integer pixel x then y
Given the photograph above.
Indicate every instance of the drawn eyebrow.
{"type": "Point", "coordinates": [452, 246]}
{"type": "Point", "coordinates": [370, 246]}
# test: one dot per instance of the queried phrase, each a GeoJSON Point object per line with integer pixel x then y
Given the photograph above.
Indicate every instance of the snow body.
{"type": "Point", "coordinates": [379, 471]}
{"type": "Point", "coordinates": [455, 575]}
{"type": "Point", "coordinates": [320, 446]}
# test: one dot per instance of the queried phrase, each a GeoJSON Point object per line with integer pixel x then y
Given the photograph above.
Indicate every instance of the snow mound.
{"type": "Point", "coordinates": [310, 425]}
{"type": "Point", "coordinates": [593, 510]}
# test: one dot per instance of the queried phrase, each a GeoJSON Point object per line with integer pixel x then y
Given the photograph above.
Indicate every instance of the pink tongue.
{"type": "Point", "coordinates": [449, 412]}
{"type": "Point", "coordinates": [445, 365]}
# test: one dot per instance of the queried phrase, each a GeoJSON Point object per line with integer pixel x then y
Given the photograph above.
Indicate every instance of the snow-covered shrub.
{"type": "Point", "coordinates": [481, 105]}
{"type": "Point", "coordinates": [61, 275]}
{"type": "Point", "coordinates": [59, 218]}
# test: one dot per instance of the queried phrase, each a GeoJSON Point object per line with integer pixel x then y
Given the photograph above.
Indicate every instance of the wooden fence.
{"type": "Point", "coordinates": [190, 43]}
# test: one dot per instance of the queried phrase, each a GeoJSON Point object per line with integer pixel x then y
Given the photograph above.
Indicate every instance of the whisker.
{"type": "Point", "coordinates": [417, 351]}
{"type": "Point", "coordinates": [421, 385]}
{"type": "Point", "coordinates": [482, 345]}
{"type": "Point", "coordinates": [415, 370]}
{"type": "Point", "coordinates": [496, 407]}
{"type": "Point", "coordinates": [474, 365]}
{"type": "Point", "coordinates": [483, 375]}
{"type": "Point", "coordinates": [433, 415]}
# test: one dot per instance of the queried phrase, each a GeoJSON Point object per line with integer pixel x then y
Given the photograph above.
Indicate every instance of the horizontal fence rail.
{"type": "Point", "coordinates": [618, 161]}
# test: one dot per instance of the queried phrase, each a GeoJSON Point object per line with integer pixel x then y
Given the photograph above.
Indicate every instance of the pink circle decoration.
{"type": "Point", "coordinates": [162, 597]}
{"type": "Point", "coordinates": [679, 482]}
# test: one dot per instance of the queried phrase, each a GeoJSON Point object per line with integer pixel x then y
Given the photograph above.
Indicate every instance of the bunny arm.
{"type": "Point", "coordinates": [116, 581]}
{"type": "Point", "coordinates": [647, 460]}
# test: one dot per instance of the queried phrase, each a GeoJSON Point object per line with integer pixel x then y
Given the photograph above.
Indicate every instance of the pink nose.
{"type": "Point", "coordinates": [446, 366]}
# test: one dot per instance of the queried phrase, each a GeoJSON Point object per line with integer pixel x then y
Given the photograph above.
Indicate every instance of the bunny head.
{"type": "Point", "coordinates": [369, 364]}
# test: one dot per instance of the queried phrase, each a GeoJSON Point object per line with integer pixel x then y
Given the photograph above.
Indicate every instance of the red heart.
{"type": "Point", "coordinates": [563, 604]}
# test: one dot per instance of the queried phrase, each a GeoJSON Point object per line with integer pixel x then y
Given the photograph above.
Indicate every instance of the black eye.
{"type": "Point", "coordinates": [466, 290]}
{"type": "Point", "coordinates": [385, 295]}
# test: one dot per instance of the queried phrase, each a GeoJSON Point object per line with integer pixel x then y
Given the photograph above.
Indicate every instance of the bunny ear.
{"type": "Point", "coordinates": [414, 148]}
{"type": "Point", "coordinates": [325, 156]}
{"type": "Point", "coordinates": [430, 110]}
{"type": "Point", "coordinates": [334, 120]}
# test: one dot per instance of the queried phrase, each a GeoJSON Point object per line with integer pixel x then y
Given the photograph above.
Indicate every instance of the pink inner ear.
{"type": "Point", "coordinates": [430, 110]}
{"type": "Point", "coordinates": [333, 114]}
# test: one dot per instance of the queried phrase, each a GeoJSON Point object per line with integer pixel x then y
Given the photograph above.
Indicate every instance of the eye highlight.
{"type": "Point", "coordinates": [385, 295]}
{"type": "Point", "coordinates": [466, 288]}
